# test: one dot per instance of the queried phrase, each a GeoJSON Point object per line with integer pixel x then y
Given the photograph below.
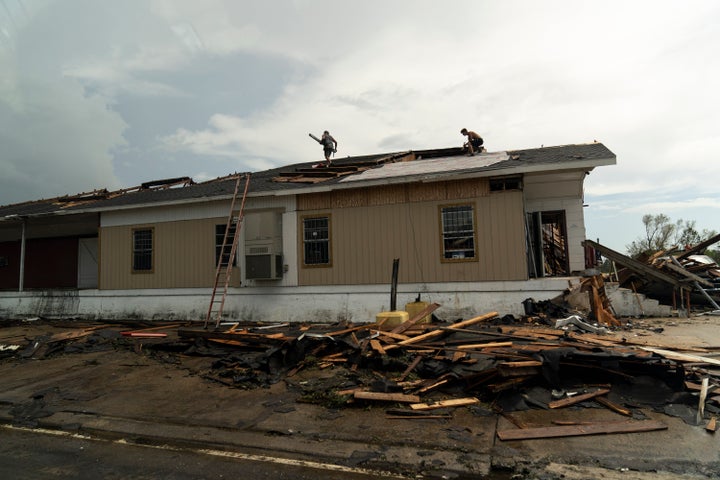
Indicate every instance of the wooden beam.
{"type": "Point", "coordinates": [576, 430]}
{"type": "Point", "coordinates": [352, 329]}
{"type": "Point", "coordinates": [682, 357]}
{"type": "Point", "coordinates": [690, 276]}
{"type": "Point", "coordinates": [438, 332]}
{"type": "Point", "coordinates": [473, 346]}
{"type": "Point", "coordinates": [387, 397]}
{"type": "Point", "coordinates": [711, 425]}
{"type": "Point", "coordinates": [613, 406]}
{"type": "Point", "coordinates": [410, 368]}
{"type": "Point", "coordinates": [577, 398]}
{"type": "Point", "coordinates": [455, 402]}
{"type": "Point", "coordinates": [375, 344]}
{"type": "Point", "coordinates": [632, 264]}
{"type": "Point", "coordinates": [700, 247]}
{"type": "Point", "coordinates": [419, 316]}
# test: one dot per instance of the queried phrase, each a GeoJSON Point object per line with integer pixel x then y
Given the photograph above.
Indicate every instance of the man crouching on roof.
{"type": "Point", "coordinates": [474, 142]}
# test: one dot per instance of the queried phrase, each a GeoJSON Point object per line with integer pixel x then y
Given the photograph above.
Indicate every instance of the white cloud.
{"type": "Point", "coordinates": [638, 76]}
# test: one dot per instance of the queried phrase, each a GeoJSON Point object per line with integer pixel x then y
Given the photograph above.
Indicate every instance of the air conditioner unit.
{"type": "Point", "coordinates": [263, 267]}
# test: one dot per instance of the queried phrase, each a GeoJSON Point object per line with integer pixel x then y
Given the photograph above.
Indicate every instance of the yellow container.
{"type": "Point", "coordinates": [391, 319]}
{"type": "Point", "coordinates": [416, 307]}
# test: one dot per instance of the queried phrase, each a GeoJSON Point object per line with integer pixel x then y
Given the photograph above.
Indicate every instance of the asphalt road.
{"type": "Point", "coordinates": [38, 455]}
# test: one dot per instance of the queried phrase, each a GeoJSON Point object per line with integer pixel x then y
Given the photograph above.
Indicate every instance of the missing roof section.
{"type": "Point", "coordinates": [104, 194]}
{"type": "Point", "coordinates": [320, 172]}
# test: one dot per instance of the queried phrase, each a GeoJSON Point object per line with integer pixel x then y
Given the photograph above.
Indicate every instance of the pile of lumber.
{"type": "Point", "coordinates": [424, 370]}
{"type": "Point", "coordinates": [445, 365]}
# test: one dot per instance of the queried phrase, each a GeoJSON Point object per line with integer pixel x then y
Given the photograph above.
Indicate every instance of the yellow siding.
{"type": "Point", "coordinates": [366, 239]}
{"type": "Point", "coordinates": [183, 256]}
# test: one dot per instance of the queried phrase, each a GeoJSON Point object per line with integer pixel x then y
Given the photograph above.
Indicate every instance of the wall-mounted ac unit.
{"type": "Point", "coordinates": [263, 267]}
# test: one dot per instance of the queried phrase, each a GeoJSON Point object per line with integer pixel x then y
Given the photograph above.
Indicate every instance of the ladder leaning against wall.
{"type": "Point", "coordinates": [225, 257]}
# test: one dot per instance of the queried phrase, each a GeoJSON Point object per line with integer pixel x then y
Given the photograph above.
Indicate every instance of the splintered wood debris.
{"type": "Point", "coordinates": [501, 365]}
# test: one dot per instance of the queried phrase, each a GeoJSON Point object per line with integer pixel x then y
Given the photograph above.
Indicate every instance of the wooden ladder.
{"type": "Point", "coordinates": [225, 258]}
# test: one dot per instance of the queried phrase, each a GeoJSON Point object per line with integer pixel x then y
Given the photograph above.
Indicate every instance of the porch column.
{"type": "Point", "coordinates": [22, 257]}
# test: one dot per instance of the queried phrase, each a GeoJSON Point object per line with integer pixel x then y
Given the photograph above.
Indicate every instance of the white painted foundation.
{"type": "Point", "coordinates": [356, 303]}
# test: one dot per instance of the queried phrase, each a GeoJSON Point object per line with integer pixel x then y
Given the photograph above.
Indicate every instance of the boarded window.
{"type": "Point", "coordinates": [458, 232]}
{"type": "Point", "coordinates": [316, 240]}
{"type": "Point", "coordinates": [143, 250]}
{"type": "Point", "coordinates": [219, 237]}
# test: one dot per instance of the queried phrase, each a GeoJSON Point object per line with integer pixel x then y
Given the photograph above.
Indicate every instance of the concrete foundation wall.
{"type": "Point", "coordinates": [281, 304]}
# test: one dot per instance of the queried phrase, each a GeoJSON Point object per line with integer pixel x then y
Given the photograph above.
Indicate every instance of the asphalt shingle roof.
{"type": "Point", "coordinates": [262, 181]}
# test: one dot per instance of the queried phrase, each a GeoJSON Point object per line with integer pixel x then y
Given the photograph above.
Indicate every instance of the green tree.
{"type": "Point", "coordinates": [658, 232]}
{"type": "Point", "coordinates": [661, 233]}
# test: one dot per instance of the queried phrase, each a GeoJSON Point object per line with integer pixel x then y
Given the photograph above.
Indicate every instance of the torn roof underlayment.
{"type": "Point", "coordinates": [306, 177]}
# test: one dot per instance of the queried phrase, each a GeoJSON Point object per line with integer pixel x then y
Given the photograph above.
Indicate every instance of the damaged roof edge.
{"type": "Point", "coordinates": [489, 171]}
{"type": "Point", "coordinates": [538, 161]}
{"type": "Point", "coordinates": [423, 178]}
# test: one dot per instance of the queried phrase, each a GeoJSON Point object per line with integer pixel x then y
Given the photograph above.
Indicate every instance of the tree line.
{"type": "Point", "coordinates": [662, 234]}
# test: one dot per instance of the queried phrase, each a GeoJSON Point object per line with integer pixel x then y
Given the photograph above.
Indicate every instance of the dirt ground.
{"type": "Point", "coordinates": [114, 385]}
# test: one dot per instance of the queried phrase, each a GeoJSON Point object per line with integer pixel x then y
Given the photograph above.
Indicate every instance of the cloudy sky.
{"type": "Point", "coordinates": [107, 93]}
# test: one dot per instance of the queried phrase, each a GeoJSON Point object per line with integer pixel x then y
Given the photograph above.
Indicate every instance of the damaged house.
{"type": "Point", "coordinates": [316, 243]}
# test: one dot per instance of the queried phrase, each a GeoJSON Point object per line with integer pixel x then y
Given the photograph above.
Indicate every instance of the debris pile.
{"type": "Point", "coordinates": [424, 370]}
{"type": "Point", "coordinates": [679, 278]}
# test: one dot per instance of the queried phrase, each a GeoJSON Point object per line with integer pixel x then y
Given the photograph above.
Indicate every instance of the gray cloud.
{"type": "Point", "coordinates": [129, 91]}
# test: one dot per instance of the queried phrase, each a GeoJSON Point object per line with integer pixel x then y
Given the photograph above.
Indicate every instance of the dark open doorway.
{"type": "Point", "coordinates": [547, 244]}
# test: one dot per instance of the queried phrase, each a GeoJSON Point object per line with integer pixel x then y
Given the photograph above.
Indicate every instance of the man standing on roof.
{"type": "Point", "coordinates": [329, 145]}
{"type": "Point", "coordinates": [474, 142]}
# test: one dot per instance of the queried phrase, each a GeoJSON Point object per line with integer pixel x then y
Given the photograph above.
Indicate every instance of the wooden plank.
{"type": "Point", "coordinates": [412, 321]}
{"type": "Point", "coordinates": [577, 398]}
{"type": "Point", "coordinates": [577, 430]}
{"type": "Point", "coordinates": [243, 337]}
{"type": "Point", "coordinates": [474, 320]}
{"type": "Point", "coordinates": [632, 264]}
{"type": "Point", "coordinates": [433, 386]}
{"type": "Point", "coordinates": [417, 417]}
{"type": "Point", "coordinates": [711, 425]}
{"type": "Point", "coordinates": [463, 324]}
{"type": "Point", "coordinates": [393, 336]}
{"type": "Point", "coordinates": [473, 346]}
{"type": "Point", "coordinates": [613, 406]}
{"type": "Point", "coordinates": [410, 368]}
{"type": "Point", "coordinates": [71, 335]}
{"type": "Point", "coordinates": [455, 402]}
{"type": "Point", "coordinates": [387, 397]}
{"type": "Point", "coordinates": [352, 329]}
{"type": "Point", "coordinates": [685, 273]}
{"type": "Point", "coordinates": [457, 356]}
{"type": "Point", "coordinates": [518, 371]}
{"type": "Point", "coordinates": [375, 344]}
{"type": "Point", "coordinates": [701, 400]}
{"type": "Point", "coordinates": [525, 363]}
{"type": "Point", "coordinates": [144, 334]}
{"type": "Point", "coordinates": [420, 338]}
{"type": "Point", "coordinates": [682, 357]}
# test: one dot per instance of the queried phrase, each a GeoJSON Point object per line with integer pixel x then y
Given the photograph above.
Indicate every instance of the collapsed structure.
{"type": "Point", "coordinates": [473, 233]}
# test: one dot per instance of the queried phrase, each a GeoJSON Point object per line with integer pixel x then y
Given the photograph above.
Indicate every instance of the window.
{"type": "Point", "coordinates": [219, 236]}
{"type": "Point", "coordinates": [4, 262]}
{"type": "Point", "coordinates": [458, 232]}
{"type": "Point", "coordinates": [316, 241]}
{"type": "Point", "coordinates": [143, 250]}
{"type": "Point", "coordinates": [498, 184]}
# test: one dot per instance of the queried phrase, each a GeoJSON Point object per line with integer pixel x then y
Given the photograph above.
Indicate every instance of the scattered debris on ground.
{"type": "Point", "coordinates": [682, 278]}
{"type": "Point", "coordinates": [418, 370]}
